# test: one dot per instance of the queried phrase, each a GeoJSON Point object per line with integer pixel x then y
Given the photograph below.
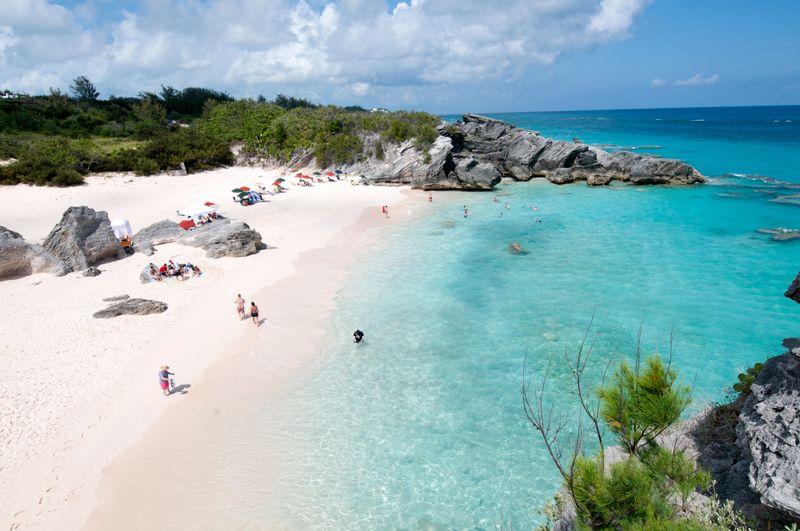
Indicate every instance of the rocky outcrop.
{"type": "Point", "coordinates": [769, 431]}
{"type": "Point", "coordinates": [158, 233]}
{"type": "Point", "coordinates": [132, 307]}
{"type": "Point", "coordinates": [793, 292]}
{"type": "Point", "coordinates": [83, 238]}
{"type": "Point", "coordinates": [224, 238]}
{"type": "Point", "coordinates": [781, 235]}
{"type": "Point", "coordinates": [477, 152]}
{"type": "Point", "coordinates": [20, 258]}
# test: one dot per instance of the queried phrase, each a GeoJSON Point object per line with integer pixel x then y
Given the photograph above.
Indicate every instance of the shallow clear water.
{"type": "Point", "coordinates": [422, 426]}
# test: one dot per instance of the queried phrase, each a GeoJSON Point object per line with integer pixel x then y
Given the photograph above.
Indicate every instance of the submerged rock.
{"type": "Point", "coordinates": [132, 307]}
{"type": "Point", "coordinates": [781, 235]}
{"type": "Point", "coordinates": [83, 238]}
{"type": "Point", "coordinates": [224, 238]}
{"type": "Point", "coordinates": [20, 258]}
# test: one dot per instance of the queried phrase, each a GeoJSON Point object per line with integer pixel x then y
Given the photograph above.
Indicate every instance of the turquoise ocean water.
{"type": "Point", "coordinates": [422, 426]}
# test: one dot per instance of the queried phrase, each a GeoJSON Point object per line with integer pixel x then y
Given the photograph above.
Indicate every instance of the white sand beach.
{"type": "Point", "coordinates": [78, 391]}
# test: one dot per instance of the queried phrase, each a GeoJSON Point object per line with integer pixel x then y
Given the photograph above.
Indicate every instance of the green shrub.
{"type": "Point", "coordinates": [198, 151]}
{"type": "Point", "coordinates": [675, 472]}
{"type": "Point", "coordinates": [747, 379]}
{"type": "Point", "coordinates": [639, 406]}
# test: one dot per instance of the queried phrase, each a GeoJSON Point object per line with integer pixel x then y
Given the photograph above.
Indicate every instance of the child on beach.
{"type": "Point", "coordinates": [163, 379]}
{"type": "Point", "coordinates": [239, 302]}
{"type": "Point", "coordinates": [254, 313]}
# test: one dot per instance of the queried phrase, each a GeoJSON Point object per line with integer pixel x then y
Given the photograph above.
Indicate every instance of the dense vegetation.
{"type": "Point", "coordinates": [649, 486]}
{"type": "Point", "coordinates": [58, 138]}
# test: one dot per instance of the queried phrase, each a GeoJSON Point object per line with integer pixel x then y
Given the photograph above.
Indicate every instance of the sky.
{"type": "Point", "coordinates": [442, 56]}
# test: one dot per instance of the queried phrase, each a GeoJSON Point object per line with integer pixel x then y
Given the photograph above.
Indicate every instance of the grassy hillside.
{"type": "Point", "coordinates": [57, 139]}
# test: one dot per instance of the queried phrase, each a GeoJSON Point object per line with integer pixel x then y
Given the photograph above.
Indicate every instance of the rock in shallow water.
{"type": "Point", "coordinates": [793, 292]}
{"type": "Point", "coordinates": [132, 307]}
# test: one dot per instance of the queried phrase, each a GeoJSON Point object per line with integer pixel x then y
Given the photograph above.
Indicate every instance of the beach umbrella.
{"type": "Point", "coordinates": [210, 204]}
{"type": "Point", "coordinates": [298, 174]}
{"type": "Point", "coordinates": [244, 188]}
{"type": "Point", "coordinates": [317, 173]}
{"type": "Point", "coordinates": [338, 171]}
{"type": "Point", "coordinates": [330, 174]}
{"type": "Point", "coordinates": [236, 190]}
{"type": "Point", "coordinates": [280, 179]}
{"type": "Point", "coordinates": [277, 182]}
{"type": "Point", "coordinates": [304, 176]}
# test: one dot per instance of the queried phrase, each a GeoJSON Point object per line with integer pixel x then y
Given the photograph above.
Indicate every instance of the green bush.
{"type": "Point", "coordinates": [747, 379]}
{"type": "Point", "coordinates": [639, 406]}
{"type": "Point", "coordinates": [198, 151]}
{"type": "Point", "coordinates": [675, 472]}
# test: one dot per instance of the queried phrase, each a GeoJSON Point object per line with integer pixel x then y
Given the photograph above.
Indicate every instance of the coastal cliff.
{"type": "Point", "coordinates": [477, 152]}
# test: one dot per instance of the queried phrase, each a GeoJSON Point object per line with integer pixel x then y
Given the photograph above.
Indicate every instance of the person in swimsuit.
{"type": "Point", "coordinates": [239, 306]}
{"type": "Point", "coordinates": [254, 312]}
{"type": "Point", "coordinates": [430, 197]}
{"type": "Point", "coordinates": [163, 378]}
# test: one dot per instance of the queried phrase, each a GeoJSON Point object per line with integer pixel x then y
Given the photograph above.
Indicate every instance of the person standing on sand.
{"type": "Point", "coordinates": [254, 312]}
{"type": "Point", "coordinates": [163, 379]}
{"type": "Point", "coordinates": [239, 302]}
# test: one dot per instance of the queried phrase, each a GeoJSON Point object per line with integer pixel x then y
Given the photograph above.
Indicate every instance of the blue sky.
{"type": "Point", "coordinates": [443, 56]}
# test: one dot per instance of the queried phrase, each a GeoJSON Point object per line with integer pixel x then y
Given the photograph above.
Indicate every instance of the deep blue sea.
{"type": "Point", "coordinates": [422, 427]}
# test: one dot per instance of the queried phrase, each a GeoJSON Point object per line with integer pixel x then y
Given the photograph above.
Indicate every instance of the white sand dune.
{"type": "Point", "coordinates": [77, 391]}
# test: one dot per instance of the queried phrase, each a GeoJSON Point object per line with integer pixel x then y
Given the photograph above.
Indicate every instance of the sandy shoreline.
{"type": "Point", "coordinates": [83, 390]}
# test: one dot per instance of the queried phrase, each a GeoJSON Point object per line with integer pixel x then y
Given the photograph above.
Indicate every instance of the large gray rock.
{"type": "Point", "coordinates": [769, 429]}
{"type": "Point", "coordinates": [158, 233]}
{"type": "Point", "coordinates": [793, 292]}
{"type": "Point", "coordinates": [20, 258]}
{"type": "Point", "coordinates": [224, 238]}
{"type": "Point", "coordinates": [132, 307]}
{"type": "Point", "coordinates": [83, 238]}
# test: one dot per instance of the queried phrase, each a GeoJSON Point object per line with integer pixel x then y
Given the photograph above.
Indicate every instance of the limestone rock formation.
{"type": "Point", "coordinates": [224, 238]}
{"type": "Point", "coordinates": [132, 307]}
{"type": "Point", "coordinates": [91, 272]}
{"type": "Point", "coordinates": [20, 258]}
{"type": "Point", "coordinates": [158, 233]}
{"type": "Point", "coordinates": [116, 298]}
{"type": "Point", "coordinates": [769, 428]}
{"type": "Point", "coordinates": [477, 152]}
{"type": "Point", "coordinates": [793, 292]}
{"type": "Point", "coordinates": [83, 238]}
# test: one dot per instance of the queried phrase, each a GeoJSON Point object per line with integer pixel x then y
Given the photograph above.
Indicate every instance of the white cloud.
{"type": "Point", "coordinates": [360, 88]}
{"type": "Point", "coordinates": [301, 46]}
{"type": "Point", "coordinates": [616, 16]}
{"type": "Point", "coordinates": [697, 79]}
{"type": "Point", "coordinates": [657, 82]}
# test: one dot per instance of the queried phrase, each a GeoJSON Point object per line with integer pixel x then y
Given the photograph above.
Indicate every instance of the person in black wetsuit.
{"type": "Point", "coordinates": [358, 336]}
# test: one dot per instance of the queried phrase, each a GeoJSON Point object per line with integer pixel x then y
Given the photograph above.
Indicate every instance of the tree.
{"type": "Point", "coordinates": [639, 405]}
{"type": "Point", "coordinates": [83, 90]}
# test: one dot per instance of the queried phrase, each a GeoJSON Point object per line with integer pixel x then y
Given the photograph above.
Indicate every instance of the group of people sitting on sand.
{"type": "Point", "coordinates": [173, 270]}
{"type": "Point", "coordinates": [208, 218]}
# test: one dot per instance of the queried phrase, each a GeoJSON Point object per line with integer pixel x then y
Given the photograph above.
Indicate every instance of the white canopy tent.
{"type": "Point", "coordinates": [196, 210]}
{"type": "Point", "coordinates": [122, 228]}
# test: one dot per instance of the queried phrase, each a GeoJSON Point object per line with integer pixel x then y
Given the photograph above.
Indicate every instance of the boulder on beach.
{"type": "Point", "coordinates": [91, 272]}
{"type": "Point", "coordinates": [132, 307]}
{"type": "Point", "coordinates": [224, 238]}
{"type": "Point", "coordinates": [83, 238]}
{"type": "Point", "coordinates": [158, 233]}
{"type": "Point", "coordinates": [20, 258]}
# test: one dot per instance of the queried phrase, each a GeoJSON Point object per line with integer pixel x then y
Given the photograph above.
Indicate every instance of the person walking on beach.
{"type": "Point", "coordinates": [254, 312]}
{"type": "Point", "coordinates": [163, 379]}
{"type": "Point", "coordinates": [239, 306]}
